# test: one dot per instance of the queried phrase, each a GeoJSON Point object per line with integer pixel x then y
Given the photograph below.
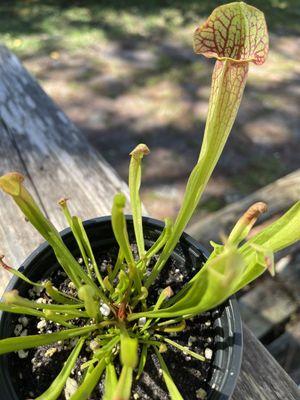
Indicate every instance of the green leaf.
{"type": "Point", "coordinates": [58, 296]}
{"type": "Point", "coordinates": [119, 227]}
{"type": "Point", "coordinates": [56, 387]}
{"type": "Point", "coordinates": [117, 266]}
{"type": "Point", "coordinates": [212, 285]}
{"type": "Point", "coordinates": [134, 186]}
{"type": "Point", "coordinates": [12, 183]}
{"type": "Point", "coordinates": [142, 362]}
{"type": "Point", "coordinates": [87, 248]}
{"type": "Point", "coordinates": [154, 250]}
{"type": "Point", "coordinates": [249, 43]}
{"type": "Point", "coordinates": [164, 295]}
{"type": "Point", "coordinates": [184, 349]}
{"type": "Point", "coordinates": [107, 348]}
{"type": "Point", "coordinates": [76, 232]}
{"type": "Point", "coordinates": [177, 326]}
{"type": "Point", "coordinates": [17, 273]}
{"type": "Point", "coordinates": [275, 237]}
{"type": "Point", "coordinates": [46, 314]}
{"type": "Point", "coordinates": [89, 383]}
{"type": "Point", "coordinates": [234, 31]}
{"type": "Point", "coordinates": [280, 234]}
{"type": "Point", "coordinates": [245, 223]}
{"type": "Point", "coordinates": [30, 341]}
{"type": "Point", "coordinates": [87, 294]}
{"type": "Point", "coordinates": [13, 297]}
{"type": "Point", "coordinates": [157, 246]}
{"type": "Point", "coordinates": [58, 318]}
{"type": "Point", "coordinates": [111, 381]}
{"type": "Point", "coordinates": [129, 351]}
{"type": "Point", "coordinates": [123, 389]}
{"type": "Point", "coordinates": [108, 286]}
{"type": "Point", "coordinates": [69, 263]}
{"type": "Point", "coordinates": [20, 310]}
{"type": "Point", "coordinates": [120, 231]}
{"type": "Point", "coordinates": [121, 288]}
{"type": "Point", "coordinates": [172, 389]}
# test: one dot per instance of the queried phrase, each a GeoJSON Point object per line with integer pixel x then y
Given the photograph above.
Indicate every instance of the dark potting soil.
{"type": "Point", "coordinates": [35, 369]}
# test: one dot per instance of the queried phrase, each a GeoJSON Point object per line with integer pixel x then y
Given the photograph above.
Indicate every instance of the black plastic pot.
{"type": "Point", "coordinates": [227, 321]}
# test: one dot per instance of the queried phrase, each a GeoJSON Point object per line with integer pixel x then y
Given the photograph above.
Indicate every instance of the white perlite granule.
{"type": "Point", "coordinates": [201, 394]}
{"type": "Point", "coordinates": [94, 345]}
{"type": "Point", "coordinates": [142, 321]}
{"type": "Point", "coordinates": [208, 353]}
{"type": "Point", "coordinates": [40, 300]}
{"type": "Point", "coordinates": [70, 388]}
{"type": "Point", "coordinates": [22, 354]}
{"type": "Point", "coordinates": [50, 352]}
{"type": "Point", "coordinates": [71, 285]}
{"type": "Point", "coordinates": [41, 324]}
{"type": "Point", "coordinates": [105, 310]}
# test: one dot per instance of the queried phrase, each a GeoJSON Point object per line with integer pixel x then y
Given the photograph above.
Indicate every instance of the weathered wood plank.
{"type": "Point", "coordinates": [273, 300]}
{"type": "Point", "coordinates": [286, 349]}
{"type": "Point", "coordinates": [39, 140]}
{"type": "Point", "coordinates": [266, 305]}
{"type": "Point", "coordinates": [279, 195]}
{"type": "Point", "coordinates": [59, 161]}
{"type": "Point", "coordinates": [261, 377]}
{"type": "Point", "coordinates": [17, 238]}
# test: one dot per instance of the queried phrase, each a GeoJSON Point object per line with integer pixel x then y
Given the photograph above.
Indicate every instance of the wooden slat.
{"type": "Point", "coordinates": [279, 196]}
{"type": "Point", "coordinates": [17, 238]}
{"type": "Point", "coordinates": [59, 161]}
{"type": "Point", "coordinates": [261, 377]}
{"type": "Point", "coordinates": [39, 140]}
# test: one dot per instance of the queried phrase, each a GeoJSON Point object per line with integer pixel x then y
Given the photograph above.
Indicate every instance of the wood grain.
{"type": "Point", "coordinates": [279, 196]}
{"type": "Point", "coordinates": [17, 238]}
{"type": "Point", "coordinates": [38, 139]}
{"type": "Point", "coordinates": [261, 377]}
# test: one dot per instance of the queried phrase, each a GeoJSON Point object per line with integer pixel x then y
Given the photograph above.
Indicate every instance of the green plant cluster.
{"type": "Point", "coordinates": [114, 307]}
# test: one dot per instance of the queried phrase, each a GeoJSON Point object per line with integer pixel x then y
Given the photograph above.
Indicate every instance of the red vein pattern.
{"type": "Point", "coordinates": [228, 83]}
{"type": "Point", "coordinates": [236, 31]}
{"type": "Point", "coordinates": [235, 34]}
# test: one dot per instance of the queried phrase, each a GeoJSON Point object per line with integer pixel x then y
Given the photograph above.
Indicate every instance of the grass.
{"type": "Point", "coordinates": [259, 172]}
{"type": "Point", "coordinates": [34, 27]}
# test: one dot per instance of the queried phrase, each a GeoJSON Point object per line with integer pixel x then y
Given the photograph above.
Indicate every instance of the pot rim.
{"type": "Point", "coordinates": [223, 380]}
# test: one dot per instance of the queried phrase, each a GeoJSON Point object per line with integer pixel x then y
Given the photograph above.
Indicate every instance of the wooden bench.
{"type": "Point", "coordinates": [272, 301]}
{"type": "Point", "coordinates": [37, 139]}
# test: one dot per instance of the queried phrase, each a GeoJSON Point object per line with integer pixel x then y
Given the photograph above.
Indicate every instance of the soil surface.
{"type": "Point", "coordinates": [35, 369]}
